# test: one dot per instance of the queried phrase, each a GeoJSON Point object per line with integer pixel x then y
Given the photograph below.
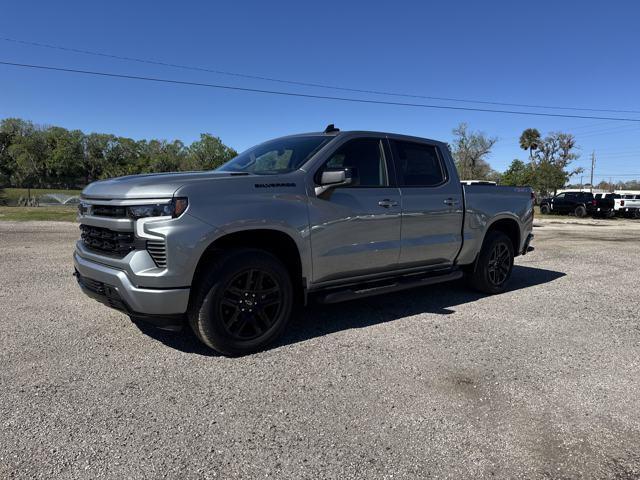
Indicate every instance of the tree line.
{"type": "Point", "coordinates": [37, 156]}
{"type": "Point", "coordinates": [547, 168]}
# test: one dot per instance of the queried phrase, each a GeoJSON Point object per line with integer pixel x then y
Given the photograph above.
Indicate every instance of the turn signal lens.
{"type": "Point", "coordinates": [180, 205]}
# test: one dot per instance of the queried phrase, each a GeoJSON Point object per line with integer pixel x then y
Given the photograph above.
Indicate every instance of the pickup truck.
{"type": "Point", "coordinates": [329, 216]}
{"type": "Point", "coordinates": [628, 205]}
{"type": "Point", "coordinates": [579, 204]}
{"type": "Point", "coordinates": [604, 204]}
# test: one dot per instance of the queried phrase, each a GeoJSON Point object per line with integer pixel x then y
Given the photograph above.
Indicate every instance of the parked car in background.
{"type": "Point", "coordinates": [628, 205]}
{"type": "Point", "coordinates": [579, 204]}
{"type": "Point", "coordinates": [605, 204]}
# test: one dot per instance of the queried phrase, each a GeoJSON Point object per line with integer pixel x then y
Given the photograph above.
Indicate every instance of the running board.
{"type": "Point", "coordinates": [402, 283]}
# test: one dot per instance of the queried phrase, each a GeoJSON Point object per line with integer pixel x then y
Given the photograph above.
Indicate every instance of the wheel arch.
{"type": "Point", "coordinates": [510, 227]}
{"type": "Point", "coordinates": [277, 242]}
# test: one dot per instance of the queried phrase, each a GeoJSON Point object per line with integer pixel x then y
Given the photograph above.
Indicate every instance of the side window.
{"type": "Point", "coordinates": [418, 165]}
{"type": "Point", "coordinates": [366, 160]}
{"type": "Point", "coordinates": [560, 196]}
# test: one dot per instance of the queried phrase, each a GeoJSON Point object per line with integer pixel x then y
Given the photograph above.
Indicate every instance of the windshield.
{"type": "Point", "coordinates": [276, 156]}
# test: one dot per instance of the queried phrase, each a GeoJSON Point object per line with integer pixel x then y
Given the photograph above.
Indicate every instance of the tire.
{"type": "Point", "coordinates": [580, 211]}
{"type": "Point", "coordinates": [485, 277]}
{"type": "Point", "coordinates": [545, 210]}
{"type": "Point", "coordinates": [636, 213]}
{"type": "Point", "coordinates": [242, 303]}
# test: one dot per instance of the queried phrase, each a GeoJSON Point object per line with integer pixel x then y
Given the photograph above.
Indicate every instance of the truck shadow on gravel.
{"type": "Point", "coordinates": [318, 320]}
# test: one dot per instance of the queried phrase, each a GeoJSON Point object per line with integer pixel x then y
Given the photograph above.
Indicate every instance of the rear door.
{"type": "Point", "coordinates": [432, 205]}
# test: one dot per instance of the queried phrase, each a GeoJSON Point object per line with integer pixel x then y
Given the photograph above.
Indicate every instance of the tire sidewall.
{"type": "Point", "coordinates": [481, 276]}
{"type": "Point", "coordinates": [208, 324]}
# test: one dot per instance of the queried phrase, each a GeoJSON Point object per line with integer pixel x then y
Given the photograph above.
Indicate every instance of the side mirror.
{"type": "Point", "coordinates": [333, 178]}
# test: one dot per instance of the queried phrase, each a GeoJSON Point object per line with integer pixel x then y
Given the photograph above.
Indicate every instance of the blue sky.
{"type": "Point", "coordinates": [569, 53]}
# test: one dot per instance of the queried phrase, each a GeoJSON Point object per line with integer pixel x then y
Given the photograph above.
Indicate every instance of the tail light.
{"type": "Point", "coordinates": [594, 202]}
{"type": "Point", "coordinates": [622, 203]}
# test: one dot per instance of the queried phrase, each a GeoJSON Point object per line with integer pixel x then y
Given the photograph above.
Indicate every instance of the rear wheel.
{"type": "Point", "coordinates": [242, 303]}
{"type": "Point", "coordinates": [494, 265]}
{"type": "Point", "coordinates": [580, 211]}
{"type": "Point", "coordinates": [545, 210]}
{"type": "Point", "coordinates": [636, 213]}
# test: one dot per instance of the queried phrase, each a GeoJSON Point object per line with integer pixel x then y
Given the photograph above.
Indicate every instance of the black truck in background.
{"type": "Point", "coordinates": [580, 204]}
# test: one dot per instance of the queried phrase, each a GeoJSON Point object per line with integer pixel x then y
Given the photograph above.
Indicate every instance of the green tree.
{"type": "Point", "coordinates": [29, 154]}
{"type": "Point", "coordinates": [530, 140]}
{"type": "Point", "coordinates": [64, 162]}
{"type": "Point", "coordinates": [470, 151]}
{"type": "Point", "coordinates": [208, 153]}
{"type": "Point", "coordinates": [95, 155]}
{"type": "Point", "coordinates": [552, 161]}
{"type": "Point", "coordinates": [11, 129]}
{"type": "Point", "coordinates": [518, 174]}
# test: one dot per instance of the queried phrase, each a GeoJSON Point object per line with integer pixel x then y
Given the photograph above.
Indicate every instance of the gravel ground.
{"type": "Point", "coordinates": [540, 382]}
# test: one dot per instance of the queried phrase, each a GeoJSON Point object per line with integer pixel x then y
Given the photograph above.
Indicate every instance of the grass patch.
{"type": "Point", "coordinates": [25, 214]}
{"type": "Point", "coordinates": [13, 194]}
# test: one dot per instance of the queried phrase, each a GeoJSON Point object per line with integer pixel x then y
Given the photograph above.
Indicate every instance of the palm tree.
{"type": "Point", "coordinates": [530, 140]}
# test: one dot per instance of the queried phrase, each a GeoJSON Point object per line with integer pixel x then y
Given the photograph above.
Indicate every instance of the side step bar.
{"type": "Point", "coordinates": [402, 283]}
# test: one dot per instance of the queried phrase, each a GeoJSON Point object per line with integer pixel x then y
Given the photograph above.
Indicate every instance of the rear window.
{"type": "Point", "coordinates": [418, 165]}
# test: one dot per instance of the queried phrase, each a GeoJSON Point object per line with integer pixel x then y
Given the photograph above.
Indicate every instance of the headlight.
{"type": "Point", "coordinates": [84, 208]}
{"type": "Point", "coordinates": [174, 209]}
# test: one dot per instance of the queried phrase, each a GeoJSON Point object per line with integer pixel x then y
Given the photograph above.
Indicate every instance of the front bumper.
{"type": "Point", "coordinates": [112, 287]}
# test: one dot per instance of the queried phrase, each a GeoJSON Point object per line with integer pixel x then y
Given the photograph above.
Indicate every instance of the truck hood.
{"type": "Point", "coordinates": [157, 185]}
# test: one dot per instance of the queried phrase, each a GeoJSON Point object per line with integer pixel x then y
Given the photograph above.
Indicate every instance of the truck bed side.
{"type": "Point", "coordinates": [484, 205]}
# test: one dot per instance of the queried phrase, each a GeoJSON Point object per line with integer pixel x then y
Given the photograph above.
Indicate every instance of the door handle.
{"type": "Point", "coordinates": [386, 203]}
{"type": "Point", "coordinates": [451, 201]}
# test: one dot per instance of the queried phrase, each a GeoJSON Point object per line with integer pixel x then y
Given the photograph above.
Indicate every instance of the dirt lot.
{"type": "Point", "coordinates": [540, 382]}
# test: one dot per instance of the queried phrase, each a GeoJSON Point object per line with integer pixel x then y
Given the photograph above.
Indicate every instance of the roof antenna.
{"type": "Point", "coordinates": [331, 128]}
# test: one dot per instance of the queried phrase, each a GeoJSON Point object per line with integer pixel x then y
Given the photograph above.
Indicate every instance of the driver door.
{"type": "Point", "coordinates": [355, 228]}
{"type": "Point", "coordinates": [559, 203]}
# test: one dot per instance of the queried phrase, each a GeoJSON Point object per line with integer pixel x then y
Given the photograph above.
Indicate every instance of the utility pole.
{"type": "Point", "coordinates": [581, 184]}
{"type": "Point", "coordinates": [593, 164]}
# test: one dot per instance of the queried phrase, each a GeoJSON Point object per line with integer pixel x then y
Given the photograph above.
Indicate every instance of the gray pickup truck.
{"type": "Point", "coordinates": [331, 216]}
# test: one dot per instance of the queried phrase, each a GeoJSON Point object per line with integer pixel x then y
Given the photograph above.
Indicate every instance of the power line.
{"type": "Point", "coordinates": [304, 84]}
{"type": "Point", "coordinates": [308, 95]}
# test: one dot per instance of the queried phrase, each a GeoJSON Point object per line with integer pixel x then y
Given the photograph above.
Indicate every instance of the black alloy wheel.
{"type": "Point", "coordinates": [499, 264]}
{"type": "Point", "coordinates": [250, 305]}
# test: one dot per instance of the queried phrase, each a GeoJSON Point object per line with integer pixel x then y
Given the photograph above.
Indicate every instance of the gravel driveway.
{"type": "Point", "coordinates": [540, 382]}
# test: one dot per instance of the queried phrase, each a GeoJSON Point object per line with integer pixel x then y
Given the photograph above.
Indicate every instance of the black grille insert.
{"type": "Point", "coordinates": [108, 211]}
{"type": "Point", "coordinates": [107, 241]}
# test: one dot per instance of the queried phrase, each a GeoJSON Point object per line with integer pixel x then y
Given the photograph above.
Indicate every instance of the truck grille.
{"type": "Point", "coordinates": [158, 251]}
{"type": "Point", "coordinates": [108, 211]}
{"type": "Point", "coordinates": [107, 241]}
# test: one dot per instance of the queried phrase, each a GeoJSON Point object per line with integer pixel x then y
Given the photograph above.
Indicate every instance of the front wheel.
{"type": "Point", "coordinates": [545, 210]}
{"type": "Point", "coordinates": [242, 303]}
{"type": "Point", "coordinates": [494, 265]}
